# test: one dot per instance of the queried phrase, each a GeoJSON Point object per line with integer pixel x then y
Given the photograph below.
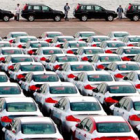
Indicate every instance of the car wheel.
{"type": "Point", "coordinates": [84, 18]}
{"type": "Point", "coordinates": [110, 18]}
{"type": "Point", "coordinates": [135, 18]}
{"type": "Point", "coordinates": [31, 18]}
{"type": "Point", "coordinates": [57, 18]}
{"type": "Point", "coordinates": [6, 18]}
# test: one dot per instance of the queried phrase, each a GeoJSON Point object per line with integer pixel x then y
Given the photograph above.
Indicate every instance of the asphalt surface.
{"type": "Point", "coordinates": [37, 27]}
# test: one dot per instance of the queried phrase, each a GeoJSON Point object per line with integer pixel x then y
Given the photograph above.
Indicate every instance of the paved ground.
{"type": "Point", "coordinates": [70, 28]}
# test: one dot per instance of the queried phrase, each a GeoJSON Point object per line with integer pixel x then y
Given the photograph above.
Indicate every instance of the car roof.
{"type": "Point", "coordinates": [46, 72]}
{"type": "Point", "coordinates": [96, 72]}
{"type": "Point", "coordinates": [111, 41]}
{"type": "Point", "coordinates": [79, 63]}
{"type": "Point", "coordinates": [2, 73]}
{"type": "Point", "coordinates": [134, 98]}
{"type": "Point", "coordinates": [30, 63]}
{"type": "Point", "coordinates": [60, 84]}
{"type": "Point", "coordinates": [65, 36]}
{"type": "Point", "coordinates": [129, 47]}
{"type": "Point", "coordinates": [119, 32]}
{"type": "Point", "coordinates": [117, 83]}
{"type": "Point", "coordinates": [75, 41]}
{"type": "Point", "coordinates": [127, 62]}
{"type": "Point", "coordinates": [1, 42]}
{"type": "Point", "coordinates": [18, 32]}
{"type": "Point", "coordinates": [20, 55]}
{"type": "Point", "coordinates": [11, 84]}
{"type": "Point", "coordinates": [86, 32]}
{"type": "Point", "coordinates": [53, 32]}
{"type": "Point", "coordinates": [11, 48]}
{"type": "Point", "coordinates": [96, 36]}
{"type": "Point", "coordinates": [65, 55]}
{"type": "Point", "coordinates": [87, 4]}
{"type": "Point", "coordinates": [105, 54]}
{"type": "Point", "coordinates": [92, 48]}
{"type": "Point", "coordinates": [18, 99]}
{"type": "Point", "coordinates": [133, 36]}
{"type": "Point", "coordinates": [50, 48]}
{"type": "Point", "coordinates": [38, 41]}
{"type": "Point", "coordinates": [36, 4]}
{"type": "Point", "coordinates": [26, 37]}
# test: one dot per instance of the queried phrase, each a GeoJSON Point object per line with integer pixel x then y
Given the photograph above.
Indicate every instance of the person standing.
{"type": "Point", "coordinates": [17, 12]}
{"type": "Point", "coordinates": [129, 7]}
{"type": "Point", "coordinates": [66, 9]}
{"type": "Point", "coordinates": [120, 12]}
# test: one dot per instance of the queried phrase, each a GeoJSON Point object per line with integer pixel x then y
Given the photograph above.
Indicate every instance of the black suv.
{"type": "Point", "coordinates": [133, 12]}
{"type": "Point", "coordinates": [6, 15]}
{"type": "Point", "coordinates": [89, 11]}
{"type": "Point", "coordinates": [40, 11]}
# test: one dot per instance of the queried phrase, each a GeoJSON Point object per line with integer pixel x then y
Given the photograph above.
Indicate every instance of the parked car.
{"type": "Point", "coordinates": [41, 11]}
{"type": "Point", "coordinates": [88, 11]}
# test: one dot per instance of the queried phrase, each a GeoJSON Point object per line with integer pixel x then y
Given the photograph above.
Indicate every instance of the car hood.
{"type": "Point", "coordinates": [5, 11]}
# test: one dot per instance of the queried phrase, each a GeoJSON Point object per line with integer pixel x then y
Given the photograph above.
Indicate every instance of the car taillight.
{"type": "Point", "coordinates": [20, 76]}
{"type": "Point", "coordinates": [56, 67]}
{"type": "Point", "coordinates": [71, 76]}
{"type": "Point", "coordinates": [33, 88]}
{"type": "Point", "coordinates": [115, 39]}
{"type": "Point", "coordinates": [10, 67]}
{"type": "Point", "coordinates": [80, 39]}
{"type": "Point", "coordinates": [48, 40]}
{"type": "Point", "coordinates": [6, 119]}
{"type": "Point", "coordinates": [59, 139]}
{"type": "Point", "coordinates": [72, 119]}
{"type": "Point", "coordinates": [85, 58]}
{"type": "Point", "coordinates": [137, 86]}
{"type": "Point", "coordinates": [30, 52]}
{"type": "Point", "coordinates": [89, 87]}
{"type": "Point", "coordinates": [11, 41]}
{"type": "Point", "coordinates": [58, 46]}
{"type": "Point", "coordinates": [110, 100]}
{"type": "Point", "coordinates": [100, 67]}
{"type": "Point", "coordinates": [130, 45]}
{"type": "Point", "coordinates": [94, 45]}
{"type": "Point", "coordinates": [43, 59]}
{"type": "Point", "coordinates": [50, 100]}
{"type": "Point", "coordinates": [70, 52]}
{"type": "Point", "coordinates": [134, 118]}
{"type": "Point", "coordinates": [20, 139]}
{"type": "Point", "coordinates": [108, 51]}
{"type": "Point", "coordinates": [2, 59]}
{"type": "Point", "coordinates": [125, 58]}
{"type": "Point", "coordinates": [118, 75]}
{"type": "Point", "coordinates": [19, 46]}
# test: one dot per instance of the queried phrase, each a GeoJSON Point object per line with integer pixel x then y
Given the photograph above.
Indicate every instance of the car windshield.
{"type": "Point", "coordinates": [53, 35]}
{"type": "Point", "coordinates": [109, 58]}
{"type": "Point", "coordinates": [21, 59]}
{"type": "Point", "coordinates": [86, 34]}
{"type": "Point", "coordinates": [134, 39]}
{"type": "Point", "coordinates": [93, 51]}
{"type": "Point", "coordinates": [38, 128]}
{"type": "Point", "coordinates": [100, 39]}
{"type": "Point", "coordinates": [115, 45]}
{"type": "Point", "coordinates": [125, 89]}
{"type": "Point", "coordinates": [128, 67]}
{"type": "Point", "coordinates": [50, 52]}
{"type": "Point", "coordinates": [9, 90]}
{"type": "Point", "coordinates": [98, 78]}
{"type": "Point", "coordinates": [132, 51]}
{"type": "Point", "coordinates": [21, 107]}
{"type": "Point", "coordinates": [85, 106]}
{"type": "Point", "coordinates": [63, 90]}
{"type": "Point", "coordinates": [45, 78]}
{"type": "Point", "coordinates": [25, 40]}
{"type": "Point", "coordinates": [9, 52]}
{"type": "Point", "coordinates": [32, 68]}
{"type": "Point", "coordinates": [67, 59]}
{"type": "Point", "coordinates": [136, 106]}
{"type": "Point", "coordinates": [77, 45]}
{"type": "Point", "coordinates": [3, 78]}
{"type": "Point", "coordinates": [5, 45]}
{"type": "Point", "coordinates": [113, 127]}
{"type": "Point", "coordinates": [39, 45]}
{"type": "Point", "coordinates": [120, 35]}
{"type": "Point", "coordinates": [17, 35]}
{"type": "Point", "coordinates": [82, 68]}
{"type": "Point", "coordinates": [65, 39]}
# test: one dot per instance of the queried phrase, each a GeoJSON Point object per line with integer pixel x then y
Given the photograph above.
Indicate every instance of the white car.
{"type": "Point", "coordinates": [32, 128]}
{"type": "Point", "coordinates": [10, 90]}
{"type": "Point", "coordinates": [57, 60]}
{"type": "Point", "coordinates": [83, 35]}
{"type": "Point", "coordinates": [118, 35]}
{"type": "Point", "coordinates": [17, 107]}
{"type": "Point", "coordinates": [70, 110]}
{"type": "Point", "coordinates": [3, 77]}
{"type": "Point", "coordinates": [103, 128]}
{"type": "Point", "coordinates": [50, 93]}
{"type": "Point", "coordinates": [70, 70]}
{"type": "Point", "coordinates": [4, 44]}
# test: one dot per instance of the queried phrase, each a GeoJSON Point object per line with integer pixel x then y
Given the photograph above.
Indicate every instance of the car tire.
{"type": "Point", "coordinates": [110, 18]}
{"type": "Point", "coordinates": [84, 18]}
{"type": "Point", "coordinates": [6, 18]}
{"type": "Point", "coordinates": [135, 18]}
{"type": "Point", "coordinates": [31, 18]}
{"type": "Point", "coordinates": [57, 18]}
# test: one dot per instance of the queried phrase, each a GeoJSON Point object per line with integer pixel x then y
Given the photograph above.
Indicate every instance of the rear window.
{"type": "Point", "coordinates": [53, 35]}
{"type": "Point", "coordinates": [21, 59]}
{"type": "Point", "coordinates": [21, 107]}
{"type": "Point", "coordinates": [32, 68]}
{"type": "Point", "coordinates": [115, 45]}
{"type": "Point", "coordinates": [120, 35]}
{"type": "Point", "coordinates": [3, 78]}
{"type": "Point", "coordinates": [100, 39]}
{"type": "Point", "coordinates": [65, 39]}
{"type": "Point", "coordinates": [38, 128]}
{"type": "Point", "coordinates": [84, 106]}
{"type": "Point", "coordinates": [17, 35]}
{"type": "Point", "coordinates": [9, 52]}
{"type": "Point", "coordinates": [136, 106]}
{"type": "Point", "coordinates": [93, 51]}
{"type": "Point", "coordinates": [77, 45]}
{"type": "Point", "coordinates": [63, 90]}
{"type": "Point", "coordinates": [134, 39]}
{"type": "Point", "coordinates": [128, 67]}
{"type": "Point", "coordinates": [86, 34]}
{"type": "Point", "coordinates": [98, 78]}
{"type": "Point", "coordinates": [132, 51]}
{"type": "Point", "coordinates": [9, 90]}
{"type": "Point", "coordinates": [5, 45]}
{"type": "Point", "coordinates": [25, 40]}
{"type": "Point", "coordinates": [67, 59]}
{"type": "Point", "coordinates": [39, 45]}
{"type": "Point", "coordinates": [112, 127]}
{"type": "Point", "coordinates": [121, 89]}
{"type": "Point", "coordinates": [109, 58]}
{"type": "Point", "coordinates": [50, 52]}
{"type": "Point", "coordinates": [45, 78]}
{"type": "Point", "coordinates": [81, 68]}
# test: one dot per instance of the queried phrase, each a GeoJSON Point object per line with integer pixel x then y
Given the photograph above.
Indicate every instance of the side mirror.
{"type": "Point", "coordinates": [106, 68]}
{"type": "Point", "coordinates": [8, 127]}
{"type": "Point", "coordinates": [117, 105]}
{"type": "Point", "coordinates": [24, 47]}
{"type": "Point", "coordinates": [75, 53]}
{"type": "Point", "coordinates": [125, 78]}
{"type": "Point", "coordinates": [79, 125]}
{"type": "Point", "coordinates": [38, 90]}
{"type": "Point", "coordinates": [23, 79]}
{"type": "Point", "coordinates": [48, 60]}
{"type": "Point", "coordinates": [56, 105]}
{"type": "Point", "coordinates": [95, 90]}
{"type": "Point", "coordinates": [60, 69]}
{"type": "Point", "coordinates": [76, 79]}
{"type": "Point", "coordinates": [89, 60]}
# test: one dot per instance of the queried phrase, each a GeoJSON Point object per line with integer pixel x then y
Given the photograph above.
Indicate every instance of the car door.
{"type": "Point", "coordinates": [89, 10]}
{"type": "Point", "coordinates": [37, 11]}
{"type": "Point", "coordinates": [46, 12]}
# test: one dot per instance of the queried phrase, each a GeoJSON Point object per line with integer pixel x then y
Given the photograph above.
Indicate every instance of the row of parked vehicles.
{"type": "Point", "coordinates": [82, 12]}
{"type": "Point", "coordinates": [81, 87]}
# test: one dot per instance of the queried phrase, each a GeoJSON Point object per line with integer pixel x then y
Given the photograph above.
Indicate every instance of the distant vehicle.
{"type": "Point", "coordinates": [89, 11]}
{"type": "Point", "coordinates": [6, 15]}
{"type": "Point", "coordinates": [40, 11]}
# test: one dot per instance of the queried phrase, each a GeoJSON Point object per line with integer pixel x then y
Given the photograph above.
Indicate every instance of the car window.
{"type": "Point", "coordinates": [29, 7]}
{"type": "Point", "coordinates": [138, 7]}
{"type": "Point", "coordinates": [98, 8]}
{"type": "Point", "coordinates": [89, 7]}
{"type": "Point", "coordinates": [45, 8]}
{"type": "Point", "coordinates": [37, 8]}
